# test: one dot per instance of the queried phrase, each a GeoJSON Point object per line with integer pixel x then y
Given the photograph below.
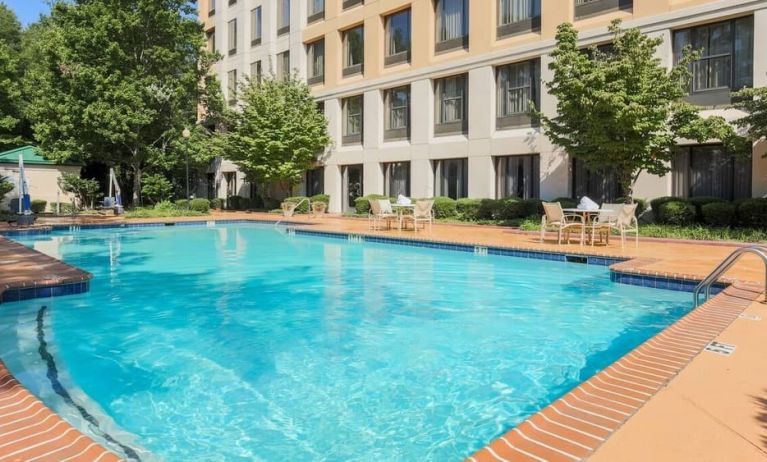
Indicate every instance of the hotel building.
{"type": "Point", "coordinates": [430, 97]}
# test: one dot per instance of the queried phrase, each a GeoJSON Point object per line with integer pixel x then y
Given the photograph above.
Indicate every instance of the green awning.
{"type": "Point", "coordinates": [30, 154]}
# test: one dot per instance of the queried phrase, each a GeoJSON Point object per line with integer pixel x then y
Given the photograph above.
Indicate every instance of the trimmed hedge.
{"type": "Point", "coordinates": [467, 209]}
{"type": "Point", "coordinates": [445, 207]}
{"type": "Point", "coordinates": [656, 204]}
{"type": "Point", "coordinates": [753, 212]}
{"type": "Point", "coordinates": [200, 205]}
{"type": "Point", "coordinates": [489, 209]}
{"type": "Point", "coordinates": [675, 212]}
{"type": "Point", "coordinates": [38, 205]}
{"type": "Point", "coordinates": [719, 213]}
{"type": "Point", "coordinates": [700, 201]}
{"type": "Point", "coordinates": [217, 203]}
{"type": "Point", "coordinates": [362, 204]}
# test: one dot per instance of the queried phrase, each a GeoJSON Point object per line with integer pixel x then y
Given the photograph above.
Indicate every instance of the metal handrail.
{"type": "Point", "coordinates": [305, 199]}
{"type": "Point", "coordinates": [758, 250]}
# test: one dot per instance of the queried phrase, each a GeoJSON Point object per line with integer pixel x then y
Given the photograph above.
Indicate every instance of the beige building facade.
{"type": "Point", "coordinates": [430, 97]}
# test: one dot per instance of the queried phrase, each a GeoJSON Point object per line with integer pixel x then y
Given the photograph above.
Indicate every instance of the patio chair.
{"type": "Point", "coordinates": [627, 223]}
{"type": "Point", "coordinates": [602, 224]}
{"type": "Point", "coordinates": [380, 211]}
{"type": "Point", "coordinates": [555, 219]}
{"type": "Point", "coordinates": [423, 212]}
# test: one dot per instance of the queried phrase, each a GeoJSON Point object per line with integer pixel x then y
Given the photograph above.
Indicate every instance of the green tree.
{"type": "Point", "coordinates": [621, 111]}
{"type": "Point", "coordinates": [10, 76]}
{"type": "Point", "coordinates": [278, 133]}
{"type": "Point", "coordinates": [157, 188]}
{"type": "Point", "coordinates": [6, 186]}
{"type": "Point", "coordinates": [753, 101]}
{"type": "Point", "coordinates": [85, 190]}
{"type": "Point", "coordinates": [118, 80]}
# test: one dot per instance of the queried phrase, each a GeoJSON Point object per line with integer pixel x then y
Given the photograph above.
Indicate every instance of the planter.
{"type": "Point", "coordinates": [319, 208]}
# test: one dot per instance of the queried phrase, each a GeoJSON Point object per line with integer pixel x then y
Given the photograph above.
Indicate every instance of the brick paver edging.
{"type": "Point", "coordinates": [30, 431]}
{"type": "Point", "coordinates": [575, 425]}
{"type": "Point", "coordinates": [54, 277]}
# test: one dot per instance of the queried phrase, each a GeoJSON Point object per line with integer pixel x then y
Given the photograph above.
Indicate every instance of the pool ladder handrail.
{"type": "Point", "coordinates": [726, 264]}
{"type": "Point", "coordinates": [305, 199]}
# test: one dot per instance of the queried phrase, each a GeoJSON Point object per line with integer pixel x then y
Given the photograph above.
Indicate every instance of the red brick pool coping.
{"type": "Point", "coordinates": [574, 426]}
{"type": "Point", "coordinates": [31, 432]}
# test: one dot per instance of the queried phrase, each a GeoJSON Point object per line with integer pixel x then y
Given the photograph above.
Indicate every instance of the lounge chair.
{"type": "Point", "coordinates": [380, 211]}
{"type": "Point", "coordinates": [423, 212]}
{"type": "Point", "coordinates": [555, 219]}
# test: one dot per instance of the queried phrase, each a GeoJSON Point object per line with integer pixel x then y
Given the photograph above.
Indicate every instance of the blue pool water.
{"type": "Point", "coordinates": [239, 342]}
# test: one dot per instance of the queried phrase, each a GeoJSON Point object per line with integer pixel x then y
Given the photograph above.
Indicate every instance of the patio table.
{"type": "Point", "coordinates": [588, 217]}
{"type": "Point", "coordinates": [401, 209]}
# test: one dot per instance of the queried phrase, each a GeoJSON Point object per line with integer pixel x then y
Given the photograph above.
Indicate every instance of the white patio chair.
{"type": "Point", "coordinates": [602, 224]}
{"type": "Point", "coordinates": [627, 223]}
{"type": "Point", "coordinates": [423, 212]}
{"type": "Point", "coordinates": [378, 214]}
{"type": "Point", "coordinates": [555, 219]}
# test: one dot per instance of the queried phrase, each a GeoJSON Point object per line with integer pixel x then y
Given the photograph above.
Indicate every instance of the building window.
{"type": "Point", "coordinates": [451, 178]}
{"type": "Point", "coordinates": [211, 7]}
{"type": "Point", "coordinates": [599, 186]}
{"type": "Point", "coordinates": [452, 25]}
{"type": "Point", "coordinates": [398, 38]}
{"type": "Point", "coordinates": [397, 121]}
{"type": "Point", "coordinates": [315, 181]}
{"type": "Point", "coordinates": [316, 11]}
{"type": "Point", "coordinates": [397, 179]}
{"type": "Point", "coordinates": [351, 3]}
{"type": "Point", "coordinates": [283, 64]}
{"type": "Point", "coordinates": [353, 185]}
{"type": "Point", "coordinates": [315, 53]}
{"type": "Point", "coordinates": [709, 170]}
{"type": "Point", "coordinates": [518, 87]}
{"type": "Point", "coordinates": [231, 87]}
{"type": "Point", "coordinates": [726, 62]}
{"type": "Point", "coordinates": [283, 17]}
{"type": "Point", "coordinates": [585, 8]}
{"type": "Point", "coordinates": [212, 41]}
{"type": "Point", "coordinates": [451, 105]}
{"type": "Point", "coordinates": [518, 176]}
{"type": "Point", "coordinates": [256, 72]}
{"type": "Point", "coordinates": [352, 108]}
{"type": "Point", "coordinates": [354, 51]}
{"type": "Point", "coordinates": [232, 30]}
{"type": "Point", "coordinates": [518, 17]}
{"type": "Point", "coordinates": [255, 26]}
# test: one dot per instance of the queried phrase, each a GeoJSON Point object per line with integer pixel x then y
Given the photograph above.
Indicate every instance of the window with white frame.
{"type": "Point", "coordinates": [283, 17]}
{"type": "Point", "coordinates": [450, 94]}
{"type": "Point", "coordinates": [232, 35]}
{"type": "Point", "coordinates": [452, 24]}
{"type": "Point", "coordinates": [517, 91]}
{"type": "Point", "coordinates": [255, 26]}
{"type": "Point", "coordinates": [353, 119]}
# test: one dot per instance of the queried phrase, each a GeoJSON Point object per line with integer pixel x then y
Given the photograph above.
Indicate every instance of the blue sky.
{"type": "Point", "coordinates": [28, 11]}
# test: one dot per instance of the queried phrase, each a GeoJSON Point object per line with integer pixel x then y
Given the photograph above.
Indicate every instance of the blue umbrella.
{"type": "Point", "coordinates": [25, 204]}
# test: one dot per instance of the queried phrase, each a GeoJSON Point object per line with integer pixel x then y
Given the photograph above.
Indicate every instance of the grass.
{"type": "Point", "coordinates": [704, 233]}
{"type": "Point", "coordinates": [162, 213]}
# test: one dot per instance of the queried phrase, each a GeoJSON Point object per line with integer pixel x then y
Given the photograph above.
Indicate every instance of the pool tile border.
{"type": "Point", "coordinates": [574, 426]}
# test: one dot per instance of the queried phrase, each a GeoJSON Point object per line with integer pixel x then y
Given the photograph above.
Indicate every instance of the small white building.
{"type": "Point", "coordinates": [42, 175]}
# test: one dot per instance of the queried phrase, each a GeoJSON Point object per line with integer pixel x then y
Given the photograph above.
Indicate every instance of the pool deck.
{"type": "Point", "coordinates": [667, 400]}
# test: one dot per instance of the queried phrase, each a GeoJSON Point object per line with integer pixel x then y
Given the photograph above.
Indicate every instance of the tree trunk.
{"type": "Point", "coordinates": [136, 185]}
{"type": "Point", "coordinates": [626, 181]}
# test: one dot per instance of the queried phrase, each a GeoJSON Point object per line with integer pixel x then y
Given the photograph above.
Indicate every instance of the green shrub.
{"type": "Point", "coordinates": [182, 204]}
{"type": "Point", "coordinates": [699, 202]}
{"type": "Point", "coordinates": [165, 206]}
{"type": "Point", "coordinates": [321, 198]}
{"type": "Point", "coordinates": [362, 204]}
{"type": "Point", "coordinates": [156, 188]}
{"type": "Point", "coordinates": [753, 212]}
{"type": "Point", "coordinates": [38, 206]}
{"type": "Point", "coordinates": [303, 202]}
{"type": "Point", "coordinates": [566, 202]}
{"type": "Point", "coordinates": [445, 207]}
{"type": "Point", "coordinates": [656, 204]}
{"type": "Point", "coordinates": [467, 209]}
{"type": "Point", "coordinates": [676, 212]}
{"type": "Point", "coordinates": [200, 205]}
{"type": "Point", "coordinates": [489, 209]}
{"type": "Point", "coordinates": [532, 207]}
{"type": "Point", "coordinates": [238, 203]}
{"type": "Point", "coordinates": [510, 209]}
{"type": "Point", "coordinates": [719, 213]}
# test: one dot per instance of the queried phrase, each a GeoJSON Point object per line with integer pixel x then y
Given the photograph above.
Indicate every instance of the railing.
{"type": "Point", "coordinates": [305, 199]}
{"type": "Point", "coordinates": [705, 285]}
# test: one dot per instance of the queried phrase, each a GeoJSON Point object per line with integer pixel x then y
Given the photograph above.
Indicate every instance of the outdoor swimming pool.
{"type": "Point", "coordinates": [240, 342]}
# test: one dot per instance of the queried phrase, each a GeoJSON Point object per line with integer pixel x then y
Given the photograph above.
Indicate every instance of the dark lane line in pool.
{"type": "Point", "coordinates": [53, 376]}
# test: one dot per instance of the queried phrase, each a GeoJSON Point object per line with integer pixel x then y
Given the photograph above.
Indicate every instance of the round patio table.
{"type": "Point", "coordinates": [401, 209]}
